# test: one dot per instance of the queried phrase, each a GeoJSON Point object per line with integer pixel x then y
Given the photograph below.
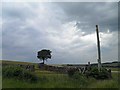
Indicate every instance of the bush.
{"type": "Point", "coordinates": [80, 78]}
{"type": "Point", "coordinates": [103, 74]}
{"type": "Point", "coordinates": [71, 72]}
{"type": "Point", "coordinates": [74, 74]}
{"type": "Point", "coordinates": [18, 73]}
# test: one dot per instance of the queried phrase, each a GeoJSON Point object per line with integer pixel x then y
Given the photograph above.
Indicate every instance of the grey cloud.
{"type": "Point", "coordinates": [91, 13]}
{"type": "Point", "coordinates": [21, 39]}
{"type": "Point", "coordinates": [16, 11]}
{"type": "Point", "coordinates": [25, 31]}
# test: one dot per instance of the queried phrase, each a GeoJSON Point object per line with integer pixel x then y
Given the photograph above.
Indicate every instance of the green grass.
{"type": "Point", "coordinates": [15, 62]}
{"type": "Point", "coordinates": [104, 84]}
{"type": "Point", "coordinates": [114, 69]}
{"type": "Point", "coordinates": [48, 79]}
{"type": "Point", "coordinates": [41, 72]}
{"type": "Point", "coordinates": [45, 80]}
{"type": "Point", "coordinates": [112, 83]}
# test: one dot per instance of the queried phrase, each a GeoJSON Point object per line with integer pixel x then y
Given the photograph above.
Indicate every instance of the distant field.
{"type": "Point", "coordinates": [107, 65]}
{"type": "Point", "coordinates": [113, 69]}
{"type": "Point", "coordinates": [48, 79]}
{"type": "Point", "coordinates": [15, 62]}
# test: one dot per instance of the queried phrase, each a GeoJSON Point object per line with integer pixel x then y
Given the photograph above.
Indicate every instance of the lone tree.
{"type": "Point", "coordinates": [44, 55]}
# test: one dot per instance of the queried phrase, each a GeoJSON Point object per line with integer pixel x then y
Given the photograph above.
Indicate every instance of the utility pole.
{"type": "Point", "coordinates": [98, 45]}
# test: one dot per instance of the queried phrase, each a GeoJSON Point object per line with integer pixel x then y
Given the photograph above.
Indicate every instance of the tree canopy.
{"type": "Point", "coordinates": [44, 54]}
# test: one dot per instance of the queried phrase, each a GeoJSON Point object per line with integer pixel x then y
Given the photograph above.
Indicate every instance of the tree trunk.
{"type": "Point", "coordinates": [43, 61]}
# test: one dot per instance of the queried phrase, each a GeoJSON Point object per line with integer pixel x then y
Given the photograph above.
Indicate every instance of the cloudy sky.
{"type": "Point", "coordinates": [65, 28]}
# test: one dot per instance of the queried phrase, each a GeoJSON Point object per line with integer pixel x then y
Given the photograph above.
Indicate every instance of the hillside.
{"type": "Point", "coordinates": [15, 62]}
{"type": "Point", "coordinates": [107, 64]}
{"type": "Point", "coordinates": [114, 64]}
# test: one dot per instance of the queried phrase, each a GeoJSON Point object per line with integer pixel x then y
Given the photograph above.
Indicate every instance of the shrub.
{"type": "Point", "coordinates": [74, 74]}
{"type": "Point", "coordinates": [103, 74]}
{"type": "Point", "coordinates": [80, 78]}
{"type": "Point", "coordinates": [71, 72]}
{"type": "Point", "coordinates": [93, 72]}
{"type": "Point", "coordinates": [18, 73]}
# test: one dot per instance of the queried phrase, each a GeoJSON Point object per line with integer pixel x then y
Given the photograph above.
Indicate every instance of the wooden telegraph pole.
{"type": "Point", "coordinates": [98, 45]}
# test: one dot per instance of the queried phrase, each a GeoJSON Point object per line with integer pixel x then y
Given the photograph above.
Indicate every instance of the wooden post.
{"type": "Point", "coordinates": [89, 66]}
{"type": "Point", "coordinates": [98, 45]}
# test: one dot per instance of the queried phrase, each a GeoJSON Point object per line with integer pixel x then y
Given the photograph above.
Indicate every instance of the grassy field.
{"type": "Point", "coordinates": [114, 69]}
{"type": "Point", "coordinates": [47, 79]}
{"type": "Point", "coordinates": [15, 62]}
{"type": "Point", "coordinates": [113, 83]}
{"type": "Point", "coordinates": [52, 80]}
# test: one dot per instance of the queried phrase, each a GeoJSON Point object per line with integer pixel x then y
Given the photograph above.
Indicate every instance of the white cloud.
{"type": "Point", "coordinates": [61, 1]}
{"type": "Point", "coordinates": [109, 39]}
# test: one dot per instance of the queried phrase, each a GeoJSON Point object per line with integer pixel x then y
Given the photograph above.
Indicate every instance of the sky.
{"type": "Point", "coordinates": [66, 28]}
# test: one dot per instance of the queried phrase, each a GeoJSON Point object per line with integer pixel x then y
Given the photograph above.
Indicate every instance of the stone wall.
{"type": "Point", "coordinates": [63, 69]}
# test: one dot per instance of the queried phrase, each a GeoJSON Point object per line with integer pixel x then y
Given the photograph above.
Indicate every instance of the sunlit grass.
{"type": "Point", "coordinates": [15, 62]}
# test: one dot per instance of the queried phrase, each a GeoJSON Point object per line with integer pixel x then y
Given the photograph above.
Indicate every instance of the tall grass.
{"type": "Point", "coordinates": [47, 79]}
{"type": "Point", "coordinates": [44, 82]}
{"type": "Point", "coordinates": [104, 84]}
{"type": "Point", "coordinates": [18, 73]}
{"type": "Point", "coordinates": [111, 83]}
